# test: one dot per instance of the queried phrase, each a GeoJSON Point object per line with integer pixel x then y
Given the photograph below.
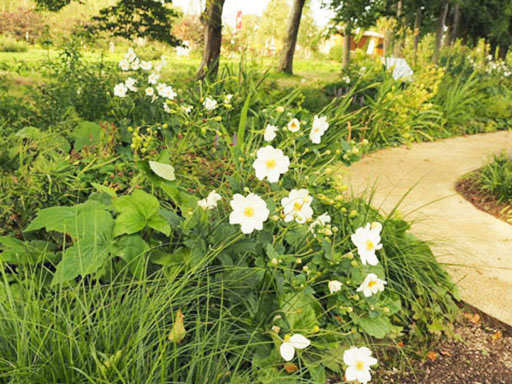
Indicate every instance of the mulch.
{"type": "Point", "coordinates": [481, 353]}
{"type": "Point", "coordinates": [469, 188]}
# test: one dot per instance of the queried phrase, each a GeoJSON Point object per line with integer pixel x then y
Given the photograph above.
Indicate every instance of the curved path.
{"type": "Point", "coordinates": [475, 246]}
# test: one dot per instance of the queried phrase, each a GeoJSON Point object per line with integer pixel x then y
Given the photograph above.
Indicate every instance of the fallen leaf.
{"type": "Point", "coordinates": [432, 355]}
{"type": "Point", "coordinates": [473, 318]}
{"type": "Point", "coordinates": [445, 353]}
{"type": "Point", "coordinates": [178, 331]}
{"type": "Point", "coordinates": [400, 344]}
{"type": "Point", "coordinates": [496, 336]}
{"type": "Point", "coordinates": [290, 367]}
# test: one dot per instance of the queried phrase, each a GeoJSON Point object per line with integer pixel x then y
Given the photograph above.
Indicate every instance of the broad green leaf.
{"type": "Point", "coordinates": [104, 189]}
{"type": "Point", "coordinates": [15, 251]}
{"type": "Point", "coordinates": [129, 221]}
{"type": "Point", "coordinates": [132, 250]}
{"type": "Point", "coordinates": [299, 309]}
{"type": "Point", "coordinates": [158, 223]}
{"type": "Point", "coordinates": [377, 327]}
{"type": "Point", "coordinates": [86, 134]}
{"type": "Point", "coordinates": [165, 171]}
{"type": "Point", "coordinates": [185, 201]}
{"type": "Point", "coordinates": [91, 248]}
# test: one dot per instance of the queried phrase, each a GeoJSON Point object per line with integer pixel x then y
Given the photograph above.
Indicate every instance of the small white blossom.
{"type": "Point", "coordinates": [210, 104]}
{"type": "Point", "coordinates": [120, 90]}
{"type": "Point", "coordinates": [146, 65]}
{"type": "Point", "coordinates": [186, 108]}
{"type": "Point", "coordinates": [125, 65]}
{"type": "Point", "coordinates": [320, 125]}
{"type": "Point", "coordinates": [371, 285]}
{"type": "Point", "coordinates": [169, 93]}
{"type": "Point", "coordinates": [135, 64]}
{"type": "Point", "coordinates": [211, 201]}
{"type": "Point", "coordinates": [321, 220]}
{"type": "Point", "coordinates": [294, 125]}
{"type": "Point", "coordinates": [270, 132]}
{"type": "Point", "coordinates": [297, 206]}
{"type": "Point", "coordinates": [130, 55]}
{"type": "Point", "coordinates": [130, 84]}
{"type": "Point", "coordinates": [367, 241]}
{"type": "Point", "coordinates": [358, 361]}
{"type": "Point", "coordinates": [334, 286]}
{"type": "Point", "coordinates": [150, 91]}
{"type": "Point", "coordinates": [227, 98]}
{"type": "Point", "coordinates": [270, 163]}
{"type": "Point", "coordinates": [250, 212]}
{"type": "Point", "coordinates": [297, 341]}
{"type": "Point", "coordinates": [160, 89]}
{"type": "Point", "coordinates": [166, 108]}
{"type": "Point", "coordinates": [153, 78]}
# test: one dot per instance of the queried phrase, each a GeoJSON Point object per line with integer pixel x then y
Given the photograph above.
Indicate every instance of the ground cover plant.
{"type": "Point", "coordinates": [203, 234]}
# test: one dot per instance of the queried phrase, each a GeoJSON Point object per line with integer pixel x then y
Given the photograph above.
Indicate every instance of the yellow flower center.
{"type": "Point", "coordinates": [271, 164]}
{"type": "Point", "coordinates": [317, 130]}
{"type": "Point", "coordinates": [293, 125]}
{"type": "Point", "coordinates": [360, 365]}
{"type": "Point", "coordinates": [369, 245]}
{"type": "Point", "coordinates": [371, 283]}
{"type": "Point", "coordinates": [248, 212]}
{"type": "Point", "coordinates": [287, 338]}
{"type": "Point", "coordinates": [297, 206]}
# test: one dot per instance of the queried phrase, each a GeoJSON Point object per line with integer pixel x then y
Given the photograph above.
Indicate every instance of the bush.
{"type": "Point", "coordinates": [192, 260]}
{"type": "Point", "coordinates": [496, 177]}
{"type": "Point", "coordinates": [336, 53]}
{"type": "Point", "coordinates": [8, 44]}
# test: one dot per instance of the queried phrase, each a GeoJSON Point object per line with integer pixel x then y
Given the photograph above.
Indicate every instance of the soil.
{"type": "Point", "coordinates": [481, 353]}
{"type": "Point", "coordinates": [469, 188]}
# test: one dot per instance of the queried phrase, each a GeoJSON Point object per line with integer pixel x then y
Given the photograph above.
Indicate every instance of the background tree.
{"type": "Point", "coordinates": [273, 23]}
{"type": "Point", "coordinates": [309, 33]}
{"type": "Point", "coordinates": [354, 14]}
{"type": "Point", "coordinates": [212, 21]}
{"type": "Point", "coordinates": [286, 61]}
{"type": "Point", "coordinates": [130, 18]}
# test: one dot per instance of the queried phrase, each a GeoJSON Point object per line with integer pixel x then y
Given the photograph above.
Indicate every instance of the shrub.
{"type": "Point", "coordinates": [166, 274]}
{"type": "Point", "coordinates": [8, 44]}
{"type": "Point", "coordinates": [496, 177]}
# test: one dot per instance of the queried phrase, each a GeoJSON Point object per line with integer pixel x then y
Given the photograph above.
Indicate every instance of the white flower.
{"type": "Point", "coordinates": [270, 132]}
{"type": "Point", "coordinates": [186, 108]}
{"type": "Point", "coordinates": [321, 220]}
{"type": "Point", "coordinates": [228, 98]}
{"type": "Point", "coordinates": [130, 56]}
{"type": "Point", "coordinates": [211, 200]}
{"type": "Point", "coordinates": [270, 163]}
{"type": "Point", "coordinates": [376, 226]}
{"type": "Point", "coordinates": [358, 361]}
{"type": "Point", "coordinates": [250, 212]}
{"type": "Point", "coordinates": [160, 89]}
{"type": "Point", "coordinates": [166, 108]}
{"type": "Point", "coordinates": [334, 286]}
{"type": "Point", "coordinates": [150, 91]}
{"type": "Point", "coordinates": [371, 285]}
{"type": "Point", "coordinates": [291, 343]}
{"type": "Point", "coordinates": [346, 79]}
{"type": "Point", "coordinates": [146, 65]}
{"type": "Point", "coordinates": [125, 65]}
{"type": "Point", "coordinates": [210, 104]}
{"type": "Point", "coordinates": [320, 125]}
{"type": "Point", "coordinates": [367, 241]}
{"type": "Point", "coordinates": [120, 90]}
{"type": "Point", "coordinates": [294, 125]}
{"type": "Point", "coordinates": [130, 84]}
{"type": "Point", "coordinates": [159, 65]}
{"type": "Point", "coordinates": [297, 206]}
{"type": "Point", "coordinates": [135, 64]}
{"type": "Point", "coordinates": [153, 78]}
{"type": "Point", "coordinates": [169, 93]}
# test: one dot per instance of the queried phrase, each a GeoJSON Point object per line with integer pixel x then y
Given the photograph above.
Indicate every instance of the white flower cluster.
{"type": "Point", "coordinates": [319, 127]}
{"type": "Point", "coordinates": [131, 62]}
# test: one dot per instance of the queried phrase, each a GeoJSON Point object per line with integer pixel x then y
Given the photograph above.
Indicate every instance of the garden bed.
{"type": "Point", "coordinates": [469, 187]}
{"type": "Point", "coordinates": [481, 353]}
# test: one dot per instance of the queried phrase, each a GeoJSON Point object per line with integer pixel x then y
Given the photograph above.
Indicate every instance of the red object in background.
{"type": "Point", "coordinates": [239, 20]}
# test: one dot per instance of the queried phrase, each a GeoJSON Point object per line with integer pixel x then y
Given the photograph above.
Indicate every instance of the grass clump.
{"type": "Point", "coordinates": [496, 177]}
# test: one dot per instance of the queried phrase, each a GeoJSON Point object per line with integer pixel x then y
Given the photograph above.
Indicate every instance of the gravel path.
{"type": "Point", "coordinates": [475, 246]}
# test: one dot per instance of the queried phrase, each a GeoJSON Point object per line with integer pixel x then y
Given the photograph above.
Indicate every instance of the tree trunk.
{"type": "Point", "coordinates": [455, 24]}
{"type": "Point", "coordinates": [212, 20]}
{"type": "Point", "coordinates": [503, 52]}
{"type": "Point", "coordinates": [346, 46]}
{"type": "Point", "coordinates": [397, 41]}
{"type": "Point", "coordinates": [286, 62]}
{"type": "Point", "coordinates": [417, 28]}
{"type": "Point", "coordinates": [439, 32]}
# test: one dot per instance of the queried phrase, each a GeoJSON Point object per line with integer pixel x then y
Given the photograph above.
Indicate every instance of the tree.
{"type": "Point", "coordinates": [130, 18]}
{"type": "Point", "coordinates": [212, 21]}
{"type": "Point", "coordinates": [286, 61]}
{"type": "Point", "coordinates": [354, 14]}
{"type": "Point", "coordinates": [309, 33]}
{"type": "Point", "coordinates": [273, 23]}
